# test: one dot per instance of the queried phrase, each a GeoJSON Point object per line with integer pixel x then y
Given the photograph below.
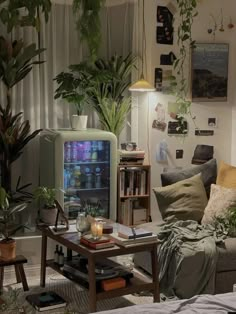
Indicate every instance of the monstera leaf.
{"type": "Point", "coordinates": [16, 60]}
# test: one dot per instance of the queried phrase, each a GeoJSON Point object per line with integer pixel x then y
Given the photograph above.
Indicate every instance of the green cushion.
{"type": "Point", "coordinates": [184, 200]}
{"type": "Point", "coordinates": [208, 171]}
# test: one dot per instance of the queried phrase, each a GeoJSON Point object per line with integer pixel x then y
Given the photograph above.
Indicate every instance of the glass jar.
{"type": "Point", "coordinates": [97, 229]}
{"type": "Point", "coordinates": [82, 224]}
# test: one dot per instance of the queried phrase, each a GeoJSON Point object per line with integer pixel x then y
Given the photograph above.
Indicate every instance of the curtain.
{"type": "Point", "coordinates": [34, 96]}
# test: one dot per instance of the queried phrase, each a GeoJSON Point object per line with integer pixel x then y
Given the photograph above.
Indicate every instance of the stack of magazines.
{"type": "Point", "coordinates": [127, 236]}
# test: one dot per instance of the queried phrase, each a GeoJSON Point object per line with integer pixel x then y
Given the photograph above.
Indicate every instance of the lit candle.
{"type": "Point", "coordinates": [96, 229]}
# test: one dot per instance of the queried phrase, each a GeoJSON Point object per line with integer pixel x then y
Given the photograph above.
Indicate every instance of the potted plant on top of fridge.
{"type": "Point", "coordinates": [73, 87]}
{"type": "Point", "coordinates": [107, 84]}
{"type": "Point", "coordinates": [8, 227]}
{"type": "Point", "coordinates": [46, 196]}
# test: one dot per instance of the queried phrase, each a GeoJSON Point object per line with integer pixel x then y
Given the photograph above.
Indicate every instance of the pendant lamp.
{"type": "Point", "coordinates": [142, 85]}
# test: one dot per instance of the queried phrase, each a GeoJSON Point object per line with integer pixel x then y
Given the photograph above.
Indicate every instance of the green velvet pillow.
{"type": "Point", "coordinates": [184, 200]}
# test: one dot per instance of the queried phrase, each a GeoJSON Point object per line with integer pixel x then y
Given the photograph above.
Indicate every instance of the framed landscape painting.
{"type": "Point", "coordinates": [210, 72]}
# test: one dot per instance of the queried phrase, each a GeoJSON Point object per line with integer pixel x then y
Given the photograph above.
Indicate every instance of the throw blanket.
{"type": "Point", "coordinates": [187, 258]}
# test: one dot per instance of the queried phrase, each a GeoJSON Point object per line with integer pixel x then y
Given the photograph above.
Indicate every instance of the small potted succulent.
{"type": "Point", "coordinates": [46, 197]}
{"type": "Point", "coordinates": [8, 227]}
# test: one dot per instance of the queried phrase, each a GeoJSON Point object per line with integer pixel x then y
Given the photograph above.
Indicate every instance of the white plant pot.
{"type": "Point", "coordinates": [79, 122]}
{"type": "Point", "coordinates": [48, 215]}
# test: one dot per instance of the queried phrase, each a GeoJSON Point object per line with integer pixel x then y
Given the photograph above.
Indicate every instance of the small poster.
{"type": "Point", "coordinates": [164, 31]}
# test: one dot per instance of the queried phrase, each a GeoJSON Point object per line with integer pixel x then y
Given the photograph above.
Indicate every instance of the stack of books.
{"type": "Point", "coordinates": [98, 244]}
{"type": "Point", "coordinates": [45, 301]}
{"type": "Point", "coordinates": [131, 157]}
{"type": "Point", "coordinates": [128, 236]}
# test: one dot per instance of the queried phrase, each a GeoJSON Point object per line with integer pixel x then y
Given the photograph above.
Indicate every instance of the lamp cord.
{"type": "Point", "coordinates": [143, 40]}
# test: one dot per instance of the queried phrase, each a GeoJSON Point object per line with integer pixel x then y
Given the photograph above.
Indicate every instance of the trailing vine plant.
{"type": "Point", "coordinates": [180, 82]}
{"type": "Point", "coordinates": [88, 23]}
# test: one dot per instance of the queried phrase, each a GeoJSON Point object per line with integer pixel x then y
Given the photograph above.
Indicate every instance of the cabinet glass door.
{"type": "Point", "coordinates": [87, 177]}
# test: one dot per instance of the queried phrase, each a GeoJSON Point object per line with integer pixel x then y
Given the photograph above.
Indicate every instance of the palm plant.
{"type": "Point", "coordinates": [120, 69]}
{"type": "Point", "coordinates": [109, 100]}
{"type": "Point", "coordinates": [112, 114]}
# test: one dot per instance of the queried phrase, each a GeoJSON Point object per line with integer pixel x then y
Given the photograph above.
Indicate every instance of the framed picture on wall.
{"type": "Point", "coordinates": [210, 72]}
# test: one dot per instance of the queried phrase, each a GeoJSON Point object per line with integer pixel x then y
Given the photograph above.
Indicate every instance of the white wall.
{"type": "Point", "coordinates": [224, 139]}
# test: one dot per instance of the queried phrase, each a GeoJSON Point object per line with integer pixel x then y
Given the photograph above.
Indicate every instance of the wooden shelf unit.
{"type": "Point", "coordinates": [133, 193]}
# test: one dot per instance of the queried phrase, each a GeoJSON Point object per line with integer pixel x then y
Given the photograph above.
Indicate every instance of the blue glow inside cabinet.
{"type": "Point", "coordinates": [82, 166]}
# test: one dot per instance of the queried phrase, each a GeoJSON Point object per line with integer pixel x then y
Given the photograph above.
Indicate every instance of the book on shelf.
{"type": "Point", "coordinates": [97, 246]}
{"type": "Point", "coordinates": [129, 242]}
{"type": "Point", "coordinates": [133, 181]}
{"type": "Point", "coordinates": [45, 301]}
{"type": "Point", "coordinates": [132, 233]}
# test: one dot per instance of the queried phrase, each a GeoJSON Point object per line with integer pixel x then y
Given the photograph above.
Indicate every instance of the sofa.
{"type": "Point", "coordinates": [225, 267]}
{"type": "Point", "coordinates": [225, 270]}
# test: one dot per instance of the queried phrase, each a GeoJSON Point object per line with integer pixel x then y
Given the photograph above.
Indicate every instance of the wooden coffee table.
{"type": "Point", "coordinates": [137, 283]}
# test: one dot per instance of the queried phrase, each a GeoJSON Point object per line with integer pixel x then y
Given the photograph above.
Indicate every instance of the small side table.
{"type": "Point", "coordinates": [19, 270]}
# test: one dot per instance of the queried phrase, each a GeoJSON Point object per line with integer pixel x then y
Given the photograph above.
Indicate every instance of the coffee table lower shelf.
{"type": "Point", "coordinates": [136, 284]}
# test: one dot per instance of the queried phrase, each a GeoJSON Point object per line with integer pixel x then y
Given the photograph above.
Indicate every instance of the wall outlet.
{"type": "Point", "coordinates": [179, 153]}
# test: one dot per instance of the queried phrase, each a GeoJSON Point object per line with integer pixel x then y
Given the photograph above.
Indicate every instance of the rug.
{"type": "Point", "coordinates": [76, 296]}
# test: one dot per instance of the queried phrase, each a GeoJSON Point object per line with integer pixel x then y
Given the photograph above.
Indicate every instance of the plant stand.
{"type": "Point", "coordinates": [19, 270]}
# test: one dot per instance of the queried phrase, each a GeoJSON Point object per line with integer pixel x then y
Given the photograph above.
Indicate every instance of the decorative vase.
{"type": "Point", "coordinates": [79, 122]}
{"type": "Point", "coordinates": [48, 215]}
{"type": "Point", "coordinates": [8, 249]}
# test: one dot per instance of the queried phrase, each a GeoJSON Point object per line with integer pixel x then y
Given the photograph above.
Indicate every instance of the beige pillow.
{"type": "Point", "coordinates": [226, 176]}
{"type": "Point", "coordinates": [184, 200]}
{"type": "Point", "coordinates": [220, 200]}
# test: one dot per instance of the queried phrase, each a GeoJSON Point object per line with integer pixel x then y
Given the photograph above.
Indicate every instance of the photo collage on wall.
{"type": "Point", "coordinates": [164, 36]}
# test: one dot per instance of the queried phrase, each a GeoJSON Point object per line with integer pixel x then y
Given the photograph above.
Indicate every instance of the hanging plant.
{"type": "Point", "coordinates": [180, 82]}
{"type": "Point", "coordinates": [23, 13]}
{"type": "Point", "coordinates": [88, 23]}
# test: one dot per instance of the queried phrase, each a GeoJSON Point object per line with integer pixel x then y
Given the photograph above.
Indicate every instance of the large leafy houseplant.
{"type": "Point", "coordinates": [106, 84]}
{"type": "Point", "coordinates": [110, 101]}
{"type": "Point", "coordinates": [15, 64]}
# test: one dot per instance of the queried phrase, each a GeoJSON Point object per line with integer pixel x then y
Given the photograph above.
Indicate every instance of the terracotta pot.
{"type": "Point", "coordinates": [48, 215]}
{"type": "Point", "coordinates": [8, 249]}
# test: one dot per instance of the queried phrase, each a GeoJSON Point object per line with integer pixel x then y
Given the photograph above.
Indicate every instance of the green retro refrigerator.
{"type": "Point", "coordinates": [82, 166]}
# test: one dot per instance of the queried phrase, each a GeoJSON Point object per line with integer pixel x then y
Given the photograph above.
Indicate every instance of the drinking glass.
{"type": "Point", "coordinates": [82, 224]}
